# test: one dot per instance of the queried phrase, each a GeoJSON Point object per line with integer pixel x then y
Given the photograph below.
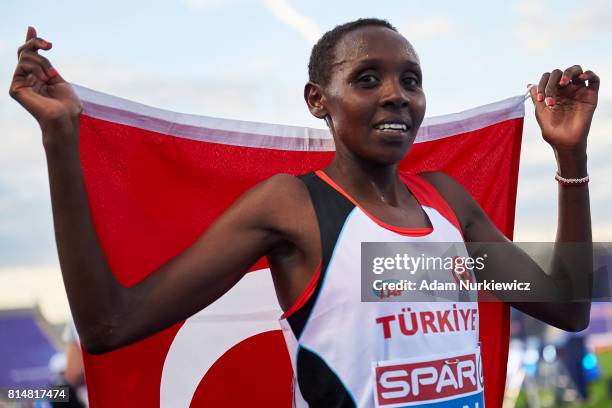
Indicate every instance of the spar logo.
{"type": "Point", "coordinates": [427, 381]}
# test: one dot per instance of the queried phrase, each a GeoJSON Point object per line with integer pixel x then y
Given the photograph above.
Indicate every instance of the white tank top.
{"type": "Point", "coordinates": [349, 353]}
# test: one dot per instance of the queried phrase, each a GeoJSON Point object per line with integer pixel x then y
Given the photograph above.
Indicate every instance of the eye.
{"type": "Point", "coordinates": [411, 82]}
{"type": "Point", "coordinates": [367, 80]}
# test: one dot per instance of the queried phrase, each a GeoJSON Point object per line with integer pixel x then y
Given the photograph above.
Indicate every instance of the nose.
{"type": "Point", "coordinates": [394, 95]}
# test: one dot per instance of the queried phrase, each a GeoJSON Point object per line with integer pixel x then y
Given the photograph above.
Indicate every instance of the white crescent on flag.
{"type": "Point", "coordinates": [206, 336]}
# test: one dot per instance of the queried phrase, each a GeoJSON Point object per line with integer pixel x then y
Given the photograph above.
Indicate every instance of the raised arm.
{"type": "Point", "coordinates": [107, 314]}
{"type": "Point", "coordinates": [564, 105]}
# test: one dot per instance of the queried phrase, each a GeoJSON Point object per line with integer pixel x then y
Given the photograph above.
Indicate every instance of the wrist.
{"type": "Point", "coordinates": [60, 134]}
{"type": "Point", "coordinates": [571, 163]}
{"type": "Point", "coordinates": [60, 144]}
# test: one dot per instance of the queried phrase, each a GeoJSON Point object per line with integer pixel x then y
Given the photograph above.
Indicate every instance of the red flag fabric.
{"type": "Point", "coordinates": [156, 179]}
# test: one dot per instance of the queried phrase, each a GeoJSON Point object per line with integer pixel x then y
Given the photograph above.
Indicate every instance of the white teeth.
{"type": "Point", "coordinates": [392, 126]}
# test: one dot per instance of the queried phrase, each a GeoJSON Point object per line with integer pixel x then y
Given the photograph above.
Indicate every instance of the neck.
{"type": "Point", "coordinates": [366, 180]}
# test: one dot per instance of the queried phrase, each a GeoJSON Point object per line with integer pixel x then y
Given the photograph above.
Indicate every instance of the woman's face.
{"type": "Point", "coordinates": [375, 99]}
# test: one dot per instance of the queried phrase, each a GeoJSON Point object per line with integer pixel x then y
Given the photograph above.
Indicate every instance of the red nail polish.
{"type": "Point", "coordinates": [563, 81]}
{"type": "Point", "coordinates": [550, 101]}
{"type": "Point", "coordinates": [540, 97]}
{"type": "Point", "coordinates": [52, 72]}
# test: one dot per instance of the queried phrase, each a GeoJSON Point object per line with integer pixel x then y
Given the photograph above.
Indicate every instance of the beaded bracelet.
{"type": "Point", "coordinates": [571, 181]}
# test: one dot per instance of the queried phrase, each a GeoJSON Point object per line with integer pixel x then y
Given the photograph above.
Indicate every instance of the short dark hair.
{"type": "Point", "coordinates": [322, 54]}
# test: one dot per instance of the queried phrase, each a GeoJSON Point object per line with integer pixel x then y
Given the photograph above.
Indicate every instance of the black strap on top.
{"type": "Point", "coordinates": [331, 209]}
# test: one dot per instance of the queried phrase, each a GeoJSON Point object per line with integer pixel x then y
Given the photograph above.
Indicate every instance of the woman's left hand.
{"type": "Point", "coordinates": [564, 105]}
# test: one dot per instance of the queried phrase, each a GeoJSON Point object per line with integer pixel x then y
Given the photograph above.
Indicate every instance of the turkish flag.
{"type": "Point", "coordinates": [156, 179]}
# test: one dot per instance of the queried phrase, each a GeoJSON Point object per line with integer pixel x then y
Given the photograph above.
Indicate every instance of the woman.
{"type": "Point", "coordinates": [366, 83]}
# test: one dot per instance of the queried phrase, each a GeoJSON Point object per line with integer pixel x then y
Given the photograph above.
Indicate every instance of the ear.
{"type": "Point", "coordinates": [315, 99]}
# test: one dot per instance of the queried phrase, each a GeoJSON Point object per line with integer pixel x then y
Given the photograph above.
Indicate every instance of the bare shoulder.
{"type": "Point", "coordinates": [285, 181]}
{"type": "Point", "coordinates": [445, 184]}
{"type": "Point", "coordinates": [281, 190]}
{"type": "Point", "coordinates": [277, 202]}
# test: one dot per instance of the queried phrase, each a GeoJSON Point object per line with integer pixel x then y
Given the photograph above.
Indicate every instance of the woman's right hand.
{"type": "Point", "coordinates": [38, 87]}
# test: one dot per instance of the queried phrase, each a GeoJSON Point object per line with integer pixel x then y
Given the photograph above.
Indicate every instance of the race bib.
{"type": "Point", "coordinates": [437, 381]}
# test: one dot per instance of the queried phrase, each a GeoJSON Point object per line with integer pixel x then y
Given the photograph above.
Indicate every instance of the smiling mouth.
{"type": "Point", "coordinates": [395, 132]}
{"type": "Point", "coordinates": [392, 127]}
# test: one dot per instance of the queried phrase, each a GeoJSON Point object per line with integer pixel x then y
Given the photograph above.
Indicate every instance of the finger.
{"type": "Point", "coordinates": [39, 60]}
{"type": "Point", "coordinates": [592, 78]}
{"type": "Point", "coordinates": [51, 77]}
{"type": "Point", "coordinates": [31, 80]}
{"type": "Point", "coordinates": [542, 86]}
{"type": "Point", "coordinates": [54, 77]}
{"type": "Point", "coordinates": [550, 92]}
{"type": "Point", "coordinates": [33, 45]}
{"type": "Point", "coordinates": [533, 92]}
{"type": "Point", "coordinates": [570, 75]}
{"type": "Point", "coordinates": [31, 33]}
{"type": "Point", "coordinates": [27, 68]}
